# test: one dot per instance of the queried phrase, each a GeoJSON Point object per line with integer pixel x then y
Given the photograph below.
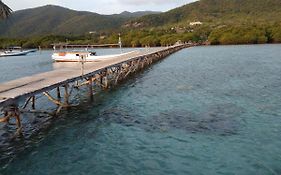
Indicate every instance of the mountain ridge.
{"type": "Point", "coordinates": [51, 19]}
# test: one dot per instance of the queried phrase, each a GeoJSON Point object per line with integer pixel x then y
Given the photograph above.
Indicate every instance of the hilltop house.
{"type": "Point", "coordinates": [195, 23]}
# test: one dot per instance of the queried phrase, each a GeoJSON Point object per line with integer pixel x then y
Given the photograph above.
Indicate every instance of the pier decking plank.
{"type": "Point", "coordinates": [35, 84]}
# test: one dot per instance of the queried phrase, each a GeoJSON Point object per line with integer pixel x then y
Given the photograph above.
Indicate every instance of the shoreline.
{"type": "Point", "coordinates": [204, 45]}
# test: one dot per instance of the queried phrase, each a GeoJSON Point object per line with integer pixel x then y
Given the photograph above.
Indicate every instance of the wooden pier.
{"type": "Point", "coordinates": [101, 74]}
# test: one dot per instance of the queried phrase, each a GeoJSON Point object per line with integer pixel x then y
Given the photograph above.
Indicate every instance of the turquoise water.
{"type": "Point", "coordinates": [203, 110]}
{"type": "Point", "coordinates": [33, 63]}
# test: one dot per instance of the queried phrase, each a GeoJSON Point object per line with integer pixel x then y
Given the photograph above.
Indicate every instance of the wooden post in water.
{"type": "Point", "coordinates": [101, 79]}
{"type": "Point", "coordinates": [66, 95]}
{"type": "Point", "coordinates": [12, 111]}
{"type": "Point", "coordinates": [91, 88]}
{"type": "Point", "coordinates": [26, 103]}
{"type": "Point", "coordinates": [33, 102]}
{"type": "Point", "coordinates": [58, 93]}
{"type": "Point", "coordinates": [18, 121]}
{"type": "Point", "coordinates": [105, 82]}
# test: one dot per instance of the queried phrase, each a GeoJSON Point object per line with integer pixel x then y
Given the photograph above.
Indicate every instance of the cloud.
{"type": "Point", "coordinates": [155, 2]}
{"type": "Point", "coordinates": [144, 2]}
{"type": "Point", "coordinates": [23, 4]}
{"type": "Point", "coordinates": [101, 6]}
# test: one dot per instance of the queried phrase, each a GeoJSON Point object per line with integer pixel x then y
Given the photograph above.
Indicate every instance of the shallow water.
{"type": "Point", "coordinates": [203, 110]}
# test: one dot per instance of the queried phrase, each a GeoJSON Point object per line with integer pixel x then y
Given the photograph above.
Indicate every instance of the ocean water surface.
{"type": "Point", "coordinates": [202, 110]}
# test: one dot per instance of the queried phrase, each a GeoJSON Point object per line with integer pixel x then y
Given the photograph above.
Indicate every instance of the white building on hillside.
{"type": "Point", "coordinates": [195, 23]}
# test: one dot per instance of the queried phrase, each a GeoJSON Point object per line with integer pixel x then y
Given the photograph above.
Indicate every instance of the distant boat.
{"type": "Point", "coordinates": [15, 51]}
{"type": "Point", "coordinates": [86, 56]}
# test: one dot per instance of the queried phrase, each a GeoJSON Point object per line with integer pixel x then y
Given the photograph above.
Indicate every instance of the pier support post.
{"type": "Point", "coordinates": [12, 111]}
{"type": "Point", "coordinates": [105, 82]}
{"type": "Point", "coordinates": [58, 93]}
{"type": "Point", "coordinates": [101, 80]}
{"type": "Point", "coordinates": [33, 102]}
{"type": "Point", "coordinates": [66, 95]}
{"type": "Point", "coordinates": [91, 88]}
{"type": "Point", "coordinates": [26, 103]}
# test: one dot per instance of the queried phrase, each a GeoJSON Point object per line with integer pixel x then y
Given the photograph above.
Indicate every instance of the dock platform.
{"type": "Point", "coordinates": [104, 74]}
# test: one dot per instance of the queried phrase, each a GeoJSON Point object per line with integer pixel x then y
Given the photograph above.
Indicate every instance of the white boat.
{"type": "Point", "coordinates": [85, 56]}
{"type": "Point", "coordinates": [14, 51]}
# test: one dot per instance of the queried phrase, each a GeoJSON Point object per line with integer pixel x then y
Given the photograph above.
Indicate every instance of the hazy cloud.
{"type": "Point", "coordinates": [101, 6]}
{"type": "Point", "coordinates": [159, 2]}
{"type": "Point", "coordinates": [22, 4]}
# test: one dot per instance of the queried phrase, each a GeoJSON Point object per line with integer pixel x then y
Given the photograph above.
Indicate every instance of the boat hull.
{"type": "Point", "coordinates": [6, 54]}
{"type": "Point", "coordinates": [85, 57]}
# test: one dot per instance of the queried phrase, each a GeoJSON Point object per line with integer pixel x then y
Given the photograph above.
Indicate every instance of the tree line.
{"type": "Point", "coordinates": [159, 37]}
{"type": "Point", "coordinates": [246, 35]}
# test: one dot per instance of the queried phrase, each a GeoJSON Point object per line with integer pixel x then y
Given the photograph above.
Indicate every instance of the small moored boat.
{"type": "Point", "coordinates": [15, 51]}
{"type": "Point", "coordinates": [85, 56]}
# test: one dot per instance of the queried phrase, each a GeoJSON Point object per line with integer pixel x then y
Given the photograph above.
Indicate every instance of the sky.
{"type": "Point", "coordinates": [101, 6]}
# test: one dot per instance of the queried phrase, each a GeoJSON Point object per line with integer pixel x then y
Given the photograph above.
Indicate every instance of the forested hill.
{"type": "Point", "coordinates": [217, 12]}
{"type": "Point", "coordinates": [217, 22]}
{"type": "Point", "coordinates": [61, 21]}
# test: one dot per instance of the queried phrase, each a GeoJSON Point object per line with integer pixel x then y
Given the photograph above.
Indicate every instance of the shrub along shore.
{"type": "Point", "coordinates": [220, 35]}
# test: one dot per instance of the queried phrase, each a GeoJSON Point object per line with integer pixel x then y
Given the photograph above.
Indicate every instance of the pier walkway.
{"type": "Point", "coordinates": [104, 74]}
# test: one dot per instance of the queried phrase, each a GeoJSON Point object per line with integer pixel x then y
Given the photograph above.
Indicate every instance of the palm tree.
{"type": "Point", "coordinates": [5, 11]}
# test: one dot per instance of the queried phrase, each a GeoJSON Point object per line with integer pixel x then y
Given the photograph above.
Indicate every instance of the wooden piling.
{"type": "Point", "coordinates": [91, 95]}
{"type": "Point", "coordinates": [66, 95]}
{"type": "Point", "coordinates": [33, 102]}
{"type": "Point", "coordinates": [58, 93]}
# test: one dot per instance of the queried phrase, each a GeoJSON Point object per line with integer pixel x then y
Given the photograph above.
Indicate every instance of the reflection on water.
{"type": "Point", "coordinates": [211, 107]}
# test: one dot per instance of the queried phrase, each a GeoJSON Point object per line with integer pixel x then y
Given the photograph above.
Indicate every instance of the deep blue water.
{"type": "Point", "coordinates": [202, 110]}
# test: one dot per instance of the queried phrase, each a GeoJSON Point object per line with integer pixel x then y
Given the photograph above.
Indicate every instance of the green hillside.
{"type": "Point", "coordinates": [61, 21]}
{"type": "Point", "coordinates": [222, 22]}
{"type": "Point", "coordinates": [217, 12]}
